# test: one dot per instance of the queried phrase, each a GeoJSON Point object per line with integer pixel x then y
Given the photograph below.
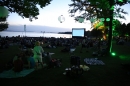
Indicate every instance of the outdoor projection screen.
{"type": "Point", "coordinates": [78, 32]}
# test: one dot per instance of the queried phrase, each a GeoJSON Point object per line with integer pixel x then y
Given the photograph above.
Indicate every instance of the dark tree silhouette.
{"type": "Point", "coordinates": [128, 29]}
{"type": "Point", "coordinates": [3, 24]}
{"type": "Point", "coordinates": [24, 8]}
{"type": "Point", "coordinates": [96, 33]}
{"type": "Point", "coordinates": [89, 9]}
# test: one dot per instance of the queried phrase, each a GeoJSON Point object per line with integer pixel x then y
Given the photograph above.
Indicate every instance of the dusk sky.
{"type": "Point", "coordinates": [49, 17]}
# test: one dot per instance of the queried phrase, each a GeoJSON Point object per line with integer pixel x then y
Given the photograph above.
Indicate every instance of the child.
{"type": "Point", "coordinates": [31, 61]}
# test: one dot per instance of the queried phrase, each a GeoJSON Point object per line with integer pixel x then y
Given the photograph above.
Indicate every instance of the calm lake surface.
{"type": "Point", "coordinates": [34, 34]}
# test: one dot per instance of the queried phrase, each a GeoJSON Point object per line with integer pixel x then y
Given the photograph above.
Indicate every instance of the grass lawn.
{"type": "Point", "coordinates": [110, 74]}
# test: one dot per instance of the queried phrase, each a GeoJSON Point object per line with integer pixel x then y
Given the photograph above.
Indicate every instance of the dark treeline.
{"type": "Point", "coordinates": [64, 32]}
{"type": "Point", "coordinates": [120, 30]}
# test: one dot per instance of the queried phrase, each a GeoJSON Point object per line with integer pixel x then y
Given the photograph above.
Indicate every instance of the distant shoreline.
{"type": "Point", "coordinates": [64, 32]}
{"type": "Point", "coordinates": [27, 31]}
{"type": "Point", "coordinates": [38, 32]}
{"type": "Point", "coordinates": [32, 34]}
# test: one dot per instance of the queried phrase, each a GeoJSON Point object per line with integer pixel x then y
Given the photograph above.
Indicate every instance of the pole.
{"type": "Point", "coordinates": [43, 33]}
{"type": "Point", "coordinates": [25, 30]}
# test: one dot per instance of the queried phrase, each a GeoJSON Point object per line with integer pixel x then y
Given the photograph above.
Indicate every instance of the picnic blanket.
{"type": "Point", "coordinates": [93, 61]}
{"type": "Point", "coordinates": [12, 74]}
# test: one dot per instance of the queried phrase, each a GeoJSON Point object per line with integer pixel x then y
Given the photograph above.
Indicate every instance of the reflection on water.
{"type": "Point", "coordinates": [34, 34]}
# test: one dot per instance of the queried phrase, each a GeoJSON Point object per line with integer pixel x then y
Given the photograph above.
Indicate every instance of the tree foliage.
{"type": "Point", "coordinates": [96, 9]}
{"type": "Point", "coordinates": [122, 30]}
{"type": "Point", "coordinates": [128, 29]}
{"type": "Point", "coordinates": [3, 24]}
{"type": "Point", "coordinates": [89, 9]}
{"type": "Point", "coordinates": [25, 8]}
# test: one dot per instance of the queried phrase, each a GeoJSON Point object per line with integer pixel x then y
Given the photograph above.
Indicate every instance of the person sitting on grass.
{"type": "Point", "coordinates": [30, 60]}
{"type": "Point", "coordinates": [83, 45]}
{"type": "Point", "coordinates": [9, 65]}
{"type": "Point", "coordinates": [66, 49]}
{"type": "Point", "coordinates": [48, 60]}
{"type": "Point", "coordinates": [18, 64]}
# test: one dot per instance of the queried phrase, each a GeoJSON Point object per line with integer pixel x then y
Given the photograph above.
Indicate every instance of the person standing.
{"type": "Point", "coordinates": [37, 51]}
{"type": "Point", "coordinates": [83, 44]}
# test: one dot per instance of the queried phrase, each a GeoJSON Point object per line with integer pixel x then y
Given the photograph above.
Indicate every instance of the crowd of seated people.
{"type": "Point", "coordinates": [4, 43]}
{"type": "Point", "coordinates": [29, 42]}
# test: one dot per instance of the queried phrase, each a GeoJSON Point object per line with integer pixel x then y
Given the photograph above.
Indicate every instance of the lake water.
{"type": "Point", "coordinates": [34, 34]}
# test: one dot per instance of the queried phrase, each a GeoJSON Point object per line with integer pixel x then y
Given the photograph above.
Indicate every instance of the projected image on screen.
{"type": "Point", "coordinates": [78, 32]}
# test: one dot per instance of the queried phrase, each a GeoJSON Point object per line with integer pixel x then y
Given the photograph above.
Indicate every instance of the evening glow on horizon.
{"type": "Point", "coordinates": [49, 16]}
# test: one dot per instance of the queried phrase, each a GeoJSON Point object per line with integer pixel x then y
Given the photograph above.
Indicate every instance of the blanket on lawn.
{"type": "Point", "coordinates": [93, 61]}
{"type": "Point", "coordinates": [12, 74]}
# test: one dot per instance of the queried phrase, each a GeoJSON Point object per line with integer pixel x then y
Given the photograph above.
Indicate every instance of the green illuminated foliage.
{"type": "Point", "coordinates": [112, 8]}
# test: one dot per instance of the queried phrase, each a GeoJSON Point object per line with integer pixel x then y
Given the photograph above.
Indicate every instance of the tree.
{"type": "Point", "coordinates": [128, 29]}
{"type": "Point", "coordinates": [96, 9]}
{"type": "Point", "coordinates": [3, 24]}
{"type": "Point", "coordinates": [116, 27]}
{"type": "Point", "coordinates": [123, 30]}
{"type": "Point", "coordinates": [96, 33]}
{"type": "Point", "coordinates": [91, 9]}
{"type": "Point", "coordinates": [87, 33]}
{"type": "Point", "coordinates": [25, 8]}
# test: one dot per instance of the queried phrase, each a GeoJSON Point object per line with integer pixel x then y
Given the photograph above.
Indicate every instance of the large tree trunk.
{"type": "Point", "coordinates": [110, 28]}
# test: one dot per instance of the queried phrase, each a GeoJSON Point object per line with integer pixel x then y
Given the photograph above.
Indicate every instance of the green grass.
{"type": "Point", "coordinates": [110, 74]}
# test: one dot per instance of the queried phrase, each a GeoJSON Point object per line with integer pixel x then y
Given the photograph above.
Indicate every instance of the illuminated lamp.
{"type": "Point", "coordinates": [102, 19]}
{"type": "Point", "coordinates": [120, 0]}
{"type": "Point", "coordinates": [113, 54]}
{"type": "Point", "coordinates": [107, 19]}
{"type": "Point", "coordinates": [61, 19]}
